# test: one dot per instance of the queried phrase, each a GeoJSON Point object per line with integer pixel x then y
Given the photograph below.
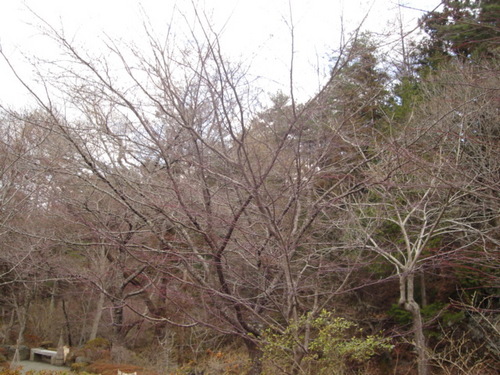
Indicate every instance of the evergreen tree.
{"type": "Point", "coordinates": [468, 29]}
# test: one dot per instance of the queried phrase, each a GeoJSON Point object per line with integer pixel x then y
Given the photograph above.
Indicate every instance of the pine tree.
{"type": "Point", "coordinates": [467, 29]}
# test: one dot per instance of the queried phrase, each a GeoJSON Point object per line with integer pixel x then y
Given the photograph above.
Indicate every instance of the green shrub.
{"type": "Point", "coordinates": [451, 318]}
{"type": "Point", "coordinates": [430, 311]}
{"type": "Point", "coordinates": [335, 343]}
{"type": "Point", "coordinates": [400, 315]}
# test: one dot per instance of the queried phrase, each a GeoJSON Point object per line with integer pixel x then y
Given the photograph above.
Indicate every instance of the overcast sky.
{"type": "Point", "coordinates": [256, 31]}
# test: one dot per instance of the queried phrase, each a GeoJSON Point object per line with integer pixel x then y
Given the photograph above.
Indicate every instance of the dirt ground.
{"type": "Point", "coordinates": [38, 366]}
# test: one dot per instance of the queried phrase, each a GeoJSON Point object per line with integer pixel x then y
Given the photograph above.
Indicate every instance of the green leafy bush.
{"type": "Point", "coordinates": [430, 311]}
{"type": "Point", "coordinates": [451, 318]}
{"type": "Point", "coordinates": [400, 315]}
{"type": "Point", "coordinates": [334, 344]}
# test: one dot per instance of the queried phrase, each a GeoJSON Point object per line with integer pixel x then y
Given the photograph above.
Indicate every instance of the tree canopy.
{"type": "Point", "coordinates": [167, 211]}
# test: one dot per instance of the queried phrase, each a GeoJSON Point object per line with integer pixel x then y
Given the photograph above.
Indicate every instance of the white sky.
{"type": "Point", "coordinates": [255, 31]}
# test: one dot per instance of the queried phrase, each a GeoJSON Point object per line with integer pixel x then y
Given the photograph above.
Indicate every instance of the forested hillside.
{"type": "Point", "coordinates": [154, 212]}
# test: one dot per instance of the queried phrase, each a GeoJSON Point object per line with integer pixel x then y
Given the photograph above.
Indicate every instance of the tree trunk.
{"type": "Point", "coordinates": [97, 317]}
{"type": "Point", "coordinates": [68, 326]}
{"type": "Point", "coordinates": [420, 345]}
{"type": "Point", "coordinates": [423, 292]}
{"type": "Point", "coordinates": [298, 355]}
{"type": "Point", "coordinates": [117, 318]}
{"type": "Point", "coordinates": [21, 312]}
{"type": "Point", "coordinates": [412, 306]}
{"type": "Point", "coordinates": [52, 305]}
{"type": "Point", "coordinates": [255, 355]}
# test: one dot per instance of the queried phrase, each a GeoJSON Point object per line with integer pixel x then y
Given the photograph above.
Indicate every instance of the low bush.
{"type": "Point", "coordinates": [98, 343]}
{"type": "Point", "coordinates": [107, 368]}
{"type": "Point", "coordinates": [79, 367]}
{"type": "Point", "coordinates": [93, 350]}
{"type": "Point", "coordinates": [216, 363]}
{"type": "Point", "coordinates": [334, 345]}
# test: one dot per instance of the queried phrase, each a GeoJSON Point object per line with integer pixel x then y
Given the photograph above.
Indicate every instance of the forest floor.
{"type": "Point", "coordinates": [40, 366]}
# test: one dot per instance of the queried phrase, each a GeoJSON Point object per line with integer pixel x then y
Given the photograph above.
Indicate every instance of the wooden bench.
{"type": "Point", "coordinates": [39, 354]}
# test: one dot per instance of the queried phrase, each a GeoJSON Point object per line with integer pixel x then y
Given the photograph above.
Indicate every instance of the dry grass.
{"type": "Point", "coordinates": [106, 368]}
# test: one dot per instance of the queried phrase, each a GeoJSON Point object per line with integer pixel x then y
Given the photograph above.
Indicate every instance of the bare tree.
{"type": "Point", "coordinates": [216, 196]}
{"type": "Point", "coordinates": [432, 186]}
{"type": "Point", "coordinates": [27, 264]}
